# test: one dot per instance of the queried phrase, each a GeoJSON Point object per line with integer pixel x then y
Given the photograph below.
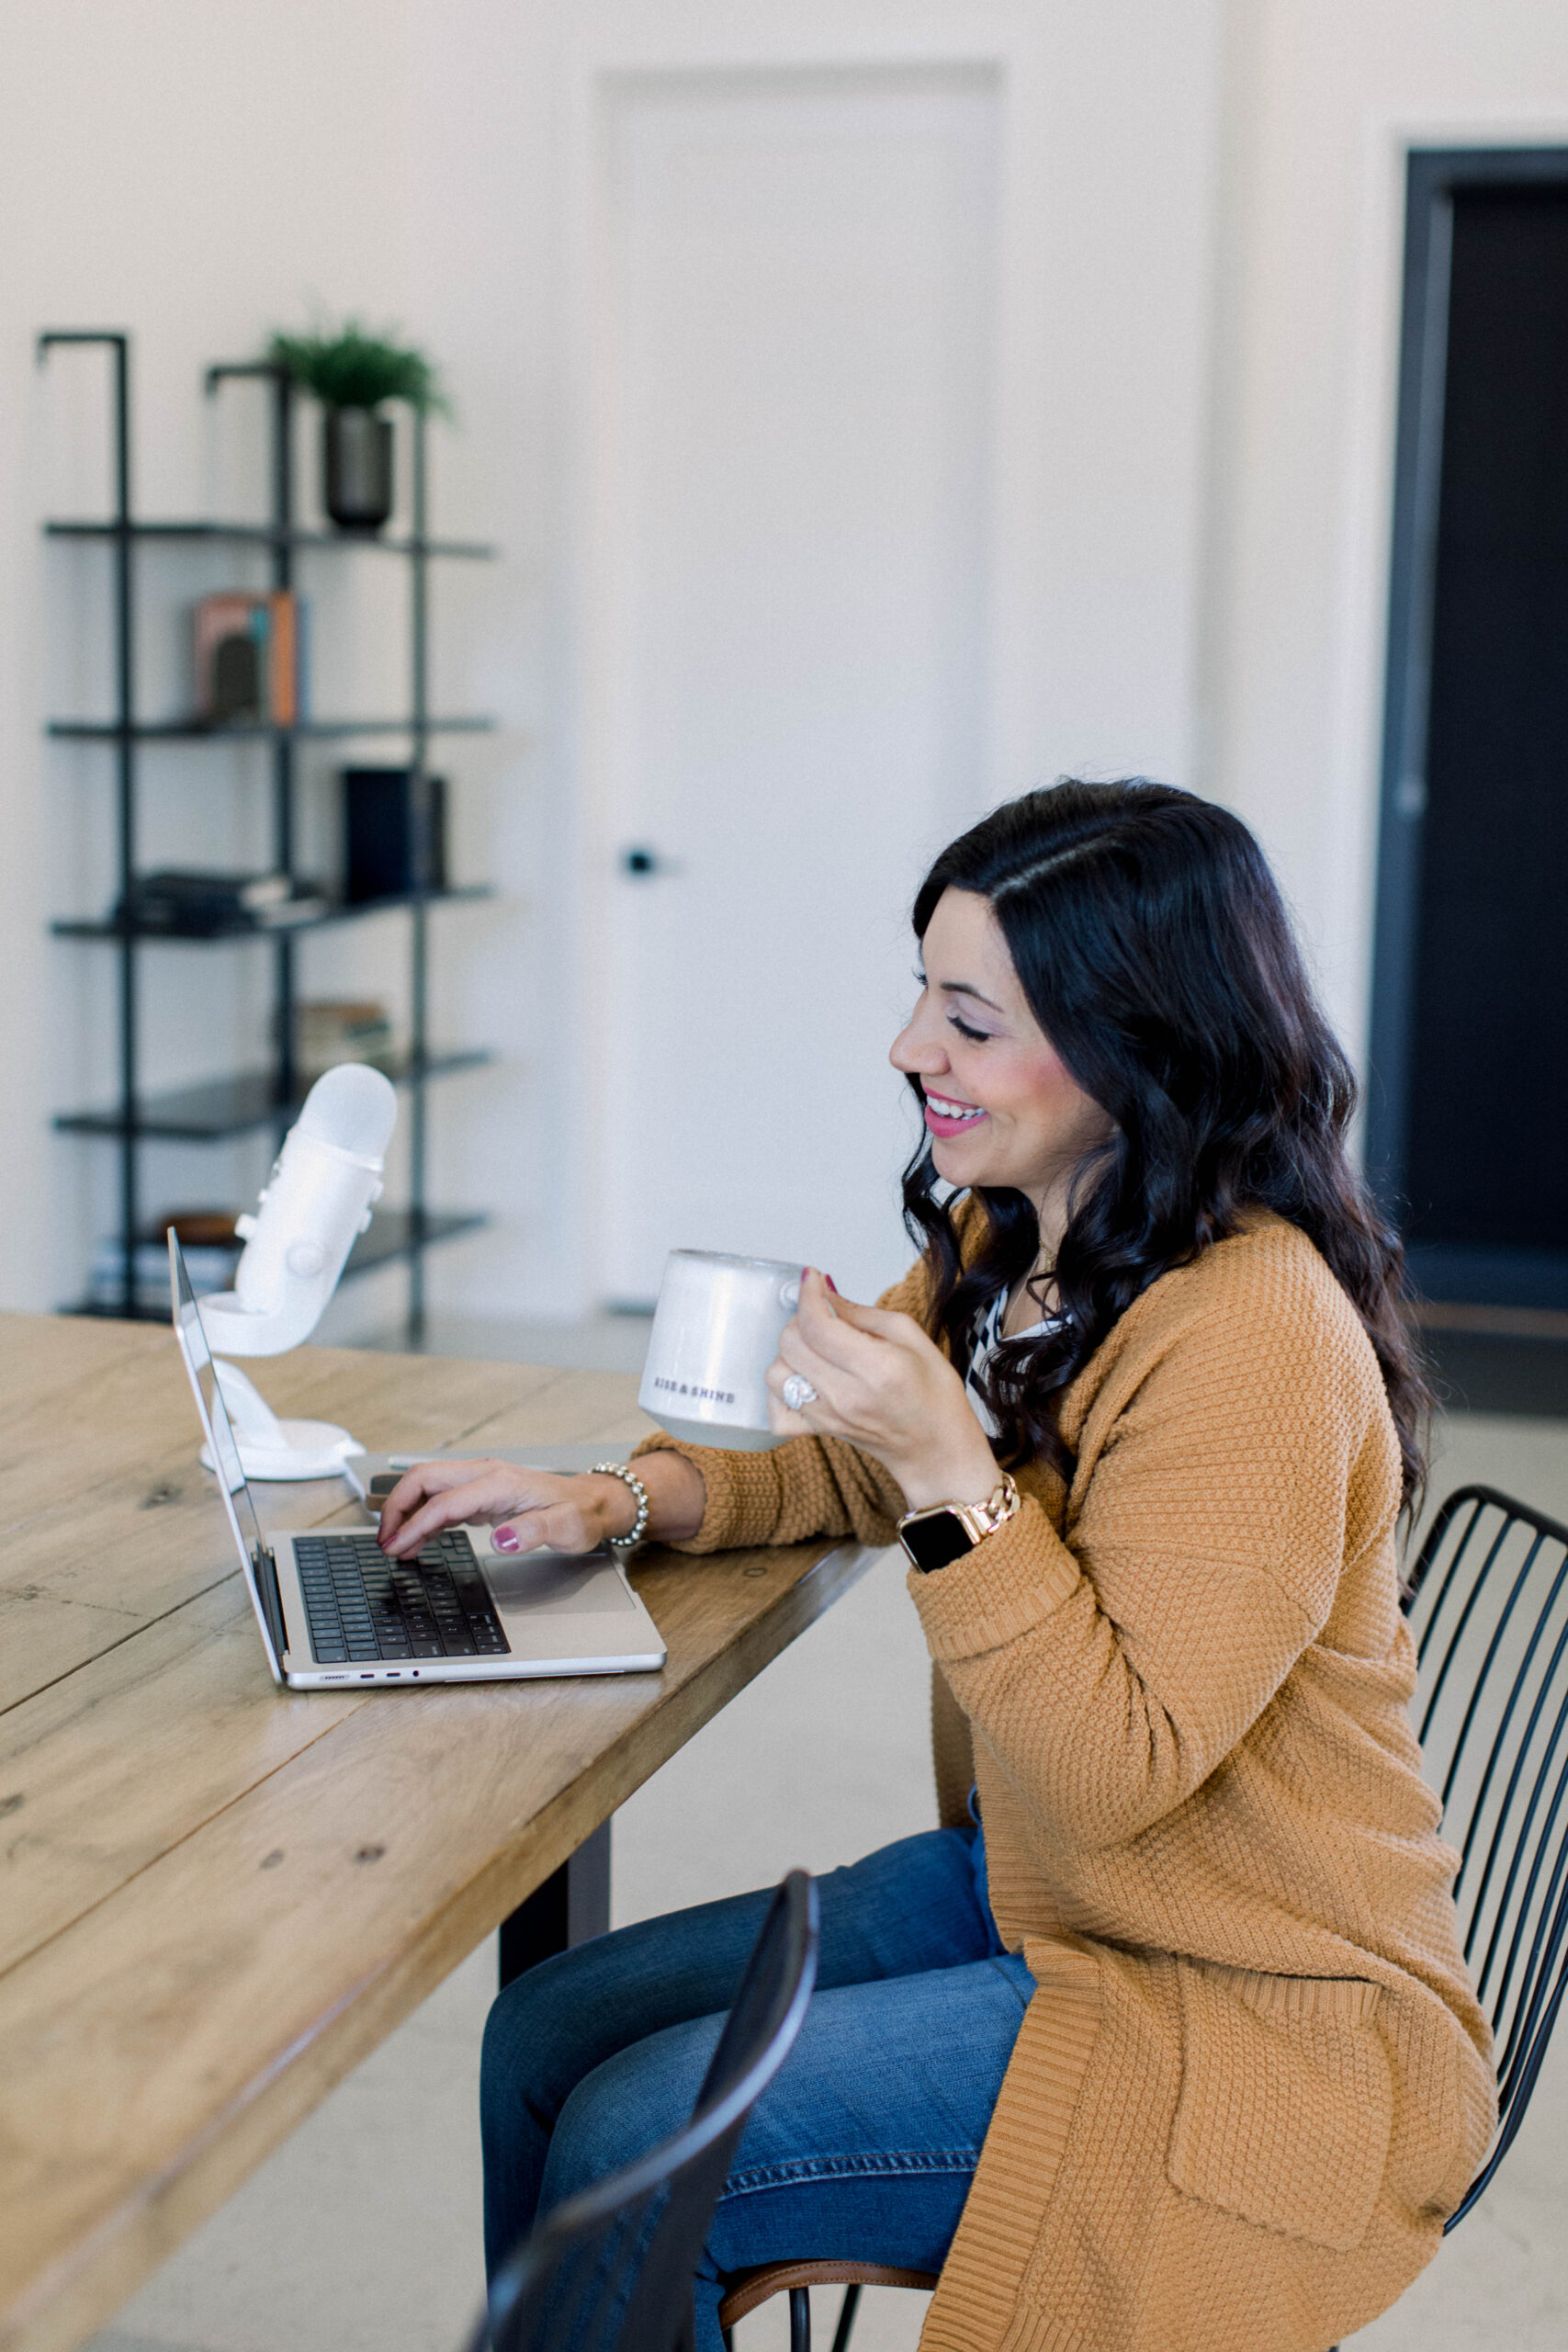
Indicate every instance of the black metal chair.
{"type": "Point", "coordinates": [1490, 1616]}
{"type": "Point", "coordinates": [1489, 1610]}
{"type": "Point", "coordinates": [611, 2269]}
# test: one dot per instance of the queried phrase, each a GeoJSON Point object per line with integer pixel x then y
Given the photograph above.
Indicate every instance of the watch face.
{"type": "Point", "coordinates": [934, 1540]}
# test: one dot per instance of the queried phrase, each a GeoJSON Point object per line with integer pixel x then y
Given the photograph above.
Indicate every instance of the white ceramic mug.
{"type": "Point", "coordinates": [715, 1331]}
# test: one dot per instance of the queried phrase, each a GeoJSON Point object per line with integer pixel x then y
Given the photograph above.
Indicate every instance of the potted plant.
{"type": "Point", "coordinates": [351, 373]}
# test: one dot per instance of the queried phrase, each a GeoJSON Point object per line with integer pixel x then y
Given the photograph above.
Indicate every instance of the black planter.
{"type": "Point", "coordinates": [356, 464]}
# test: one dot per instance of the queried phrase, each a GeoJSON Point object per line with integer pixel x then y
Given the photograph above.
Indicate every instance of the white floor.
{"type": "Point", "coordinates": [361, 2233]}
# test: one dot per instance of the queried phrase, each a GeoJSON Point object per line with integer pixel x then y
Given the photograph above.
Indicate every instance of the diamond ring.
{"type": "Point", "coordinates": [797, 1391]}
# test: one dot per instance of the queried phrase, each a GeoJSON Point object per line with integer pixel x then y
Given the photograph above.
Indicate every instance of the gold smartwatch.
{"type": "Point", "coordinates": [945, 1531]}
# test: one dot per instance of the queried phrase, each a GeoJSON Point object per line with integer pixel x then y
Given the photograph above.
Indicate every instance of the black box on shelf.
{"type": "Point", "coordinates": [393, 845]}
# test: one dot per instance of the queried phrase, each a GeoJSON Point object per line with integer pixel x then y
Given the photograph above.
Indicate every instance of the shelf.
{"type": "Point", "coordinates": [265, 534]}
{"type": "Point", "coordinates": [390, 1242]}
{"type": "Point", "coordinates": [237, 1106]}
{"type": "Point", "coordinates": [85, 928]}
{"type": "Point", "coordinates": [390, 1239]}
{"type": "Point", "coordinates": [193, 731]}
{"type": "Point", "coordinates": [276, 548]}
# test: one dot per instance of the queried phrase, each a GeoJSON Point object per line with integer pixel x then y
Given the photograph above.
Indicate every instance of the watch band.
{"type": "Point", "coordinates": [942, 1533]}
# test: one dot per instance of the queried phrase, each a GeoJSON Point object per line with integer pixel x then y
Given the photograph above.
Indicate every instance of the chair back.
{"type": "Point", "coordinates": [1489, 1610]}
{"type": "Point", "coordinates": [614, 2266]}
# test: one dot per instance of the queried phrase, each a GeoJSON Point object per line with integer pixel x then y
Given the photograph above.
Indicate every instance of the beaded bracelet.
{"type": "Point", "coordinates": [629, 1543]}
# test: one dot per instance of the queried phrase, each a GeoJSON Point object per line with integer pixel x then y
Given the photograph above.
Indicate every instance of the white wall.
{"type": "Point", "coordinates": [195, 175]}
{"type": "Point", "coordinates": [199, 175]}
{"type": "Point", "coordinates": [1323, 103]}
{"type": "Point", "coordinates": [1194, 413]}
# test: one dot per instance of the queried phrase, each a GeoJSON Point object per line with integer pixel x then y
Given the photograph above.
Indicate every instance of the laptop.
{"type": "Point", "coordinates": [333, 1610]}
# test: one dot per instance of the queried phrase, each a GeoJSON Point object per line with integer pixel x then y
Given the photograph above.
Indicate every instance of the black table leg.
{"type": "Point", "coordinates": [570, 1907]}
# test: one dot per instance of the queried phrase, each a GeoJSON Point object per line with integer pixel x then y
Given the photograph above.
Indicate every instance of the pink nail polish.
{"type": "Point", "coordinates": [504, 1539]}
{"type": "Point", "coordinates": [832, 1285]}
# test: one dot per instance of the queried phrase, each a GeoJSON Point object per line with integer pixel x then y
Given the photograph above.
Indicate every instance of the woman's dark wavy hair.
{"type": "Point", "coordinates": [1152, 943]}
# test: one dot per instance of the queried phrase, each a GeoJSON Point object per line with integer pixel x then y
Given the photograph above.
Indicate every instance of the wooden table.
{"type": "Point", "coordinates": [217, 1897]}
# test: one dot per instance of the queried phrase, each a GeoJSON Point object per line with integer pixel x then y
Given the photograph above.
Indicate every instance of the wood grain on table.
{"type": "Point", "coordinates": [215, 1896]}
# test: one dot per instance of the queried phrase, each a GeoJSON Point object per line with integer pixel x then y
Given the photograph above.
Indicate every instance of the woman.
{"type": "Point", "coordinates": [1164, 2042]}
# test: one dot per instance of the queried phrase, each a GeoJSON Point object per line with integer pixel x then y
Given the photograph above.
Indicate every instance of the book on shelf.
{"type": "Point", "coordinates": [250, 659]}
{"type": "Point", "coordinates": [328, 1030]}
{"type": "Point", "coordinates": [192, 903]}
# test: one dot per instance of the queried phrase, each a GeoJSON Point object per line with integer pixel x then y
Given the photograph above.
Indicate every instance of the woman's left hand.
{"type": "Point", "coordinates": [886, 1387]}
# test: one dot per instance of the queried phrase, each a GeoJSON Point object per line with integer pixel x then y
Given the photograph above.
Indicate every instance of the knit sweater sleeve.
{"type": "Point", "coordinates": [1112, 1671]}
{"type": "Point", "coordinates": [809, 1485]}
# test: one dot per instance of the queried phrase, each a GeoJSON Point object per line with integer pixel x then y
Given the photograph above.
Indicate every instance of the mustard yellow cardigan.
{"type": "Point", "coordinates": [1254, 2080]}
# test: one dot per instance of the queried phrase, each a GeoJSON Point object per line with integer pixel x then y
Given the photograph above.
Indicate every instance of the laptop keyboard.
{"type": "Point", "coordinates": [362, 1606]}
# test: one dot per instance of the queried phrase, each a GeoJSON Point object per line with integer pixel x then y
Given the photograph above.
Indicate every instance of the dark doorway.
{"type": "Point", "coordinates": [1468, 1130]}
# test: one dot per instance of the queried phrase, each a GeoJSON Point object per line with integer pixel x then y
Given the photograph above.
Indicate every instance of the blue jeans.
{"type": "Point", "coordinates": [866, 2141]}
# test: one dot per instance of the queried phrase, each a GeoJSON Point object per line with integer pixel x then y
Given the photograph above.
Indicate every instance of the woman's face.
{"type": "Point", "coordinates": [1002, 1109]}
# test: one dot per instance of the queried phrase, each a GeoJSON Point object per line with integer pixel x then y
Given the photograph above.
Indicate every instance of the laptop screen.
{"type": "Point", "coordinates": [220, 1436]}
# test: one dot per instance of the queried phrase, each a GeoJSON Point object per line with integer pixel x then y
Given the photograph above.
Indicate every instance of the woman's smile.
{"type": "Point", "coordinates": [946, 1118]}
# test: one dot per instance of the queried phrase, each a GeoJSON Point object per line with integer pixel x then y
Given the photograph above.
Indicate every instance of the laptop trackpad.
{"type": "Point", "coordinates": [559, 1584]}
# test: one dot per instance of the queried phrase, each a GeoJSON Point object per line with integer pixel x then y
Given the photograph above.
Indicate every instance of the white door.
{"type": "Point", "coordinates": [793, 569]}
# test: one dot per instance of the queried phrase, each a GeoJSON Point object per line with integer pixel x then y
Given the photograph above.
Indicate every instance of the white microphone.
{"type": "Point", "coordinates": [317, 1202]}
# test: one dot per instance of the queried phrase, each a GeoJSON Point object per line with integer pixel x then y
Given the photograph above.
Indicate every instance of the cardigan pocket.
{"type": "Point", "coordinates": [1286, 2107]}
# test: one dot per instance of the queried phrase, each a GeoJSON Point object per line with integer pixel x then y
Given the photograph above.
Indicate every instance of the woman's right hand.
{"type": "Point", "coordinates": [539, 1510]}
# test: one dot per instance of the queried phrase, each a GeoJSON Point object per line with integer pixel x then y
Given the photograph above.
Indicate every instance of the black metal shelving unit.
{"type": "Point", "coordinates": [251, 1101]}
